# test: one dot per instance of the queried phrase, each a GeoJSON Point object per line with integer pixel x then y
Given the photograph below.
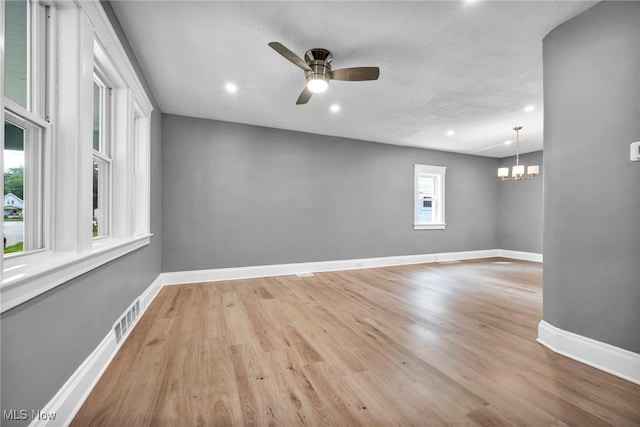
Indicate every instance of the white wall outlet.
{"type": "Point", "coordinates": [635, 151]}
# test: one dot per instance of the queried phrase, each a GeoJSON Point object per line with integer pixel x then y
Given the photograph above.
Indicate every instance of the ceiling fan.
{"type": "Point", "coordinates": [317, 70]}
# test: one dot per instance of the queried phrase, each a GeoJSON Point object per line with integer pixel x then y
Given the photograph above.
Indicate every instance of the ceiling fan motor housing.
{"type": "Point", "coordinates": [320, 62]}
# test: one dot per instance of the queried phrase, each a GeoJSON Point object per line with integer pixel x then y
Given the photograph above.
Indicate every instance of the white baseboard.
{"type": "Point", "coordinates": [67, 402]}
{"type": "Point", "coordinates": [234, 273]}
{"type": "Point", "coordinates": [524, 256]}
{"type": "Point", "coordinates": [614, 360]}
{"type": "Point", "coordinates": [151, 292]}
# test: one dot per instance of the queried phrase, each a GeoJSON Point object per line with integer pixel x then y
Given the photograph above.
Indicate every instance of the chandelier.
{"type": "Point", "coordinates": [517, 172]}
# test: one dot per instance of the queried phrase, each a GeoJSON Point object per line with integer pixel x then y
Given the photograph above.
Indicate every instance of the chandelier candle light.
{"type": "Point", "coordinates": [517, 172]}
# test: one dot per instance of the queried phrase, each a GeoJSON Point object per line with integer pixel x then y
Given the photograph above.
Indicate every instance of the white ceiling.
{"type": "Point", "coordinates": [470, 67]}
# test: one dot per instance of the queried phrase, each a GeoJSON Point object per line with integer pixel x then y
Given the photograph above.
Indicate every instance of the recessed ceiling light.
{"type": "Point", "coordinates": [231, 87]}
{"type": "Point", "coordinates": [450, 133]}
{"type": "Point", "coordinates": [335, 108]}
{"type": "Point", "coordinates": [529, 108]}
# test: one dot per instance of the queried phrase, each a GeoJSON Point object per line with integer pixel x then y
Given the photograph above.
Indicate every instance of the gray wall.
{"type": "Point", "coordinates": [520, 208]}
{"type": "Point", "coordinates": [47, 338]}
{"type": "Point", "coordinates": [592, 190]}
{"type": "Point", "coordinates": [239, 195]}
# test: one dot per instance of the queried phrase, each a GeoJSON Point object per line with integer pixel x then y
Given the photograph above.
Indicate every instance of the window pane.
{"type": "Point", "coordinates": [97, 102]}
{"type": "Point", "coordinates": [16, 48]}
{"type": "Point", "coordinates": [13, 188]}
{"type": "Point", "coordinates": [101, 171]}
{"type": "Point", "coordinates": [96, 198]}
{"type": "Point", "coordinates": [425, 199]}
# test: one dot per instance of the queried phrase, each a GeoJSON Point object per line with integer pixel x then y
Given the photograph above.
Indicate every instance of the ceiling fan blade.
{"type": "Point", "coordinates": [304, 97]}
{"type": "Point", "coordinates": [292, 57]}
{"type": "Point", "coordinates": [356, 74]}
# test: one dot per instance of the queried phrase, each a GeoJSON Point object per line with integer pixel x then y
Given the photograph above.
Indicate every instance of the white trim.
{"type": "Point", "coordinates": [213, 275]}
{"type": "Point", "coordinates": [24, 280]}
{"type": "Point", "coordinates": [25, 116]}
{"type": "Point", "coordinates": [69, 399]}
{"type": "Point", "coordinates": [151, 292]}
{"type": "Point", "coordinates": [429, 169]}
{"type": "Point", "coordinates": [429, 226]}
{"type": "Point", "coordinates": [115, 51]}
{"type": "Point", "coordinates": [524, 256]}
{"type": "Point", "coordinates": [614, 360]}
{"type": "Point", "coordinates": [141, 191]}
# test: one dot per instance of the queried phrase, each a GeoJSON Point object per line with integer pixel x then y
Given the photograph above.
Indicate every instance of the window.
{"type": "Point", "coordinates": [25, 127]}
{"type": "Point", "coordinates": [23, 196]}
{"type": "Point", "coordinates": [101, 212]}
{"type": "Point", "coordinates": [73, 208]}
{"type": "Point", "coordinates": [428, 203]}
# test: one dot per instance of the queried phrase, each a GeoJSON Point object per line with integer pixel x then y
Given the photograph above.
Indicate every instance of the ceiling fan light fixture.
{"type": "Point", "coordinates": [318, 84]}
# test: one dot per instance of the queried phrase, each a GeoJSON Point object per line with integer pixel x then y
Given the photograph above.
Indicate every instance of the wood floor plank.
{"type": "Point", "coordinates": [426, 344]}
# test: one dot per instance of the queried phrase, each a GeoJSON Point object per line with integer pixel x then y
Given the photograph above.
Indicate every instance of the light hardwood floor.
{"type": "Point", "coordinates": [421, 345]}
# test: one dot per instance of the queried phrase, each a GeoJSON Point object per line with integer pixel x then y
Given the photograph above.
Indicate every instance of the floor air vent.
{"type": "Point", "coordinates": [126, 321]}
{"type": "Point", "coordinates": [305, 274]}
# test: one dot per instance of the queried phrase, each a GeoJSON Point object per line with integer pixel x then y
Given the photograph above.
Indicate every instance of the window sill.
{"type": "Point", "coordinates": [440, 226]}
{"type": "Point", "coordinates": [25, 277]}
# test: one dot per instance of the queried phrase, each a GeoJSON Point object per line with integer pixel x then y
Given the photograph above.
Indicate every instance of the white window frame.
{"type": "Point", "coordinates": [82, 40]}
{"type": "Point", "coordinates": [37, 130]}
{"type": "Point", "coordinates": [438, 173]}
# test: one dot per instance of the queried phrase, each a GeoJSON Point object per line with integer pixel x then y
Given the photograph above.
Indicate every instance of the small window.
{"type": "Point", "coordinates": [429, 197]}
